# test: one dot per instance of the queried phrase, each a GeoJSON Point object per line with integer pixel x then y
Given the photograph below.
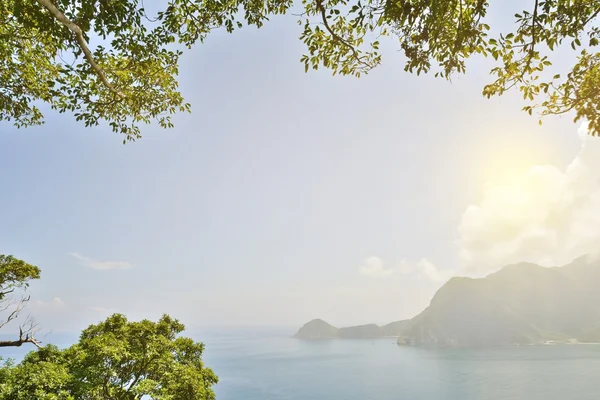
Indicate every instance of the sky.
{"type": "Point", "coordinates": [287, 196]}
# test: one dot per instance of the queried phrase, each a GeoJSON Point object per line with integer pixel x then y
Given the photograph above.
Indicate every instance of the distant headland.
{"type": "Point", "coordinates": [520, 304]}
{"type": "Point", "coordinates": [319, 329]}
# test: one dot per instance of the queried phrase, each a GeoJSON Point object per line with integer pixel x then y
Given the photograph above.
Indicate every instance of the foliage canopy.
{"type": "Point", "coordinates": [15, 274]}
{"type": "Point", "coordinates": [129, 76]}
{"type": "Point", "coordinates": [115, 359]}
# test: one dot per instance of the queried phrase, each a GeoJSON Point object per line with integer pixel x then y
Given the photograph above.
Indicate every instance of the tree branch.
{"type": "Point", "coordinates": [15, 313]}
{"type": "Point", "coordinates": [337, 37]}
{"type": "Point", "coordinates": [533, 24]}
{"type": "Point", "coordinates": [23, 338]}
{"type": "Point", "coordinates": [58, 15]}
{"type": "Point", "coordinates": [591, 17]}
{"type": "Point", "coordinates": [18, 343]}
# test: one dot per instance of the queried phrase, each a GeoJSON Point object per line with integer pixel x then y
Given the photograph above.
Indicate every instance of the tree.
{"type": "Point", "coordinates": [15, 275]}
{"type": "Point", "coordinates": [115, 359]}
{"type": "Point", "coordinates": [129, 76]}
{"type": "Point", "coordinates": [440, 35]}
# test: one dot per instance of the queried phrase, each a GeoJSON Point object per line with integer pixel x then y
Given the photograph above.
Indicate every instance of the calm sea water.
{"type": "Point", "coordinates": [270, 365]}
{"type": "Point", "coordinates": [261, 366]}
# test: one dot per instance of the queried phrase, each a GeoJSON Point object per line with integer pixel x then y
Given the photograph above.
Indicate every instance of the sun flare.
{"type": "Point", "coordinates": [537, 213]}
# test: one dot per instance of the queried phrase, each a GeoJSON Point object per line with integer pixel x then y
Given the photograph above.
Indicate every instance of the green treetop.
{"type": "Point", "coordinates": [115, 359]}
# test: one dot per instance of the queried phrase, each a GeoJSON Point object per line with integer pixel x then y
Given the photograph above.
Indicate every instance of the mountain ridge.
{"type": "Point", "coordinates": [522, 303]}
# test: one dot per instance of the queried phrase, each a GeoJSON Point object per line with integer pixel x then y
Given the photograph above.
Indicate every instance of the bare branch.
{"type": "Point", "coordinates": [27, 336]}
{"type": "Point", "coordinates": [56, 13]}
{"type": "Point", "coordinates": [14, 313]}
{"type": "Point", "coordinates": [26, 331]}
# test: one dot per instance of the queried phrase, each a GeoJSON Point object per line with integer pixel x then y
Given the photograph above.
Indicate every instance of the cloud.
{"type": "Point", "coordinates": [422, 268]}
{"type": "Point", "coordinates": [101, 265]}
{"type": "Point", "coordinates": [430, 271]}
{"type": "Point", "coordinates": [100, 310]}
{"type": "Point", "coordinates": [374, 268]}
{"type": "Point", "coordinates": [545, 216]}
{"type": "Point", "coordinates": [56, 302]}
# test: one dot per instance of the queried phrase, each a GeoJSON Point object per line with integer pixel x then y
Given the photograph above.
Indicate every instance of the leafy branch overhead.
{"type": "Point", "coordinates": [438, 36]}
{"type": "Point", "coordinates": [108, 60]}
{"type": "Point", "coordinates": [127, 78]}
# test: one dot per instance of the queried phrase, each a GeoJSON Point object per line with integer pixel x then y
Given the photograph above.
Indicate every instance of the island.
{"type": "Point", "coordinates": [319, 329]}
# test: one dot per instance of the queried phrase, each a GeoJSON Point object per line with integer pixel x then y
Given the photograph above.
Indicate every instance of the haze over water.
{"type": "Point", "coordinates": [260, 365]}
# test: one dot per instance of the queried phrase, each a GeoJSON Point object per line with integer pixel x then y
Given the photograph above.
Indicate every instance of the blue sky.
{"type": "Point", "coordinates": [262, 205]}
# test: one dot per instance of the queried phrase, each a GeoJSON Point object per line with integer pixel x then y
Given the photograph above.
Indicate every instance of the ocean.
{"type": "Point", "coordinates": [268, 364]}
{"type": "Point", "coordinates": [258, 365]}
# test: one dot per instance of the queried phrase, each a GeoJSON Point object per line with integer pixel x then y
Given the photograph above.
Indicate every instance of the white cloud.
{"type": "Point", "coordinates": [374, 268]}
{"type": "Point", "coordinates": [100, 310]}
{"type": "Point", "coordinates": [422, 268]}
{"type": "Point", "coordinates": [101, 265]}
{"type": "Point", "coordinates": [56, 302]}
{"type": "Point", "coordinates": [430, 271]}
{"type": "Point", "coordinates": [546, 216]}
{"type": "Point", "coordinates": [406, 267]}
